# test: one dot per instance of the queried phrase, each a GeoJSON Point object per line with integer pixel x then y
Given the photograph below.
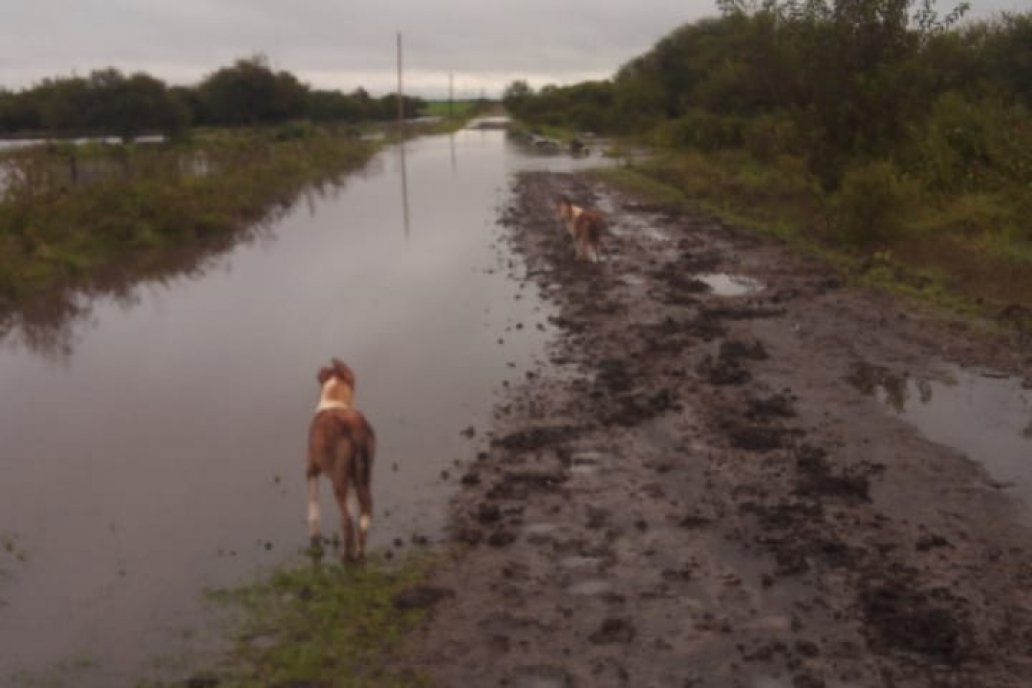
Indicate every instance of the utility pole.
{"type": "Point", "coordinates": [401, 102]}
{"type": "Point", "coordinates": [451, 93]}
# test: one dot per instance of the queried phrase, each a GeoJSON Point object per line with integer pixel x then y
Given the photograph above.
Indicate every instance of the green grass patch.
{"type": "Point", "coordinates": [315, 625]}
{"type": "Point", "coordinates": [457, 108]}
{"type": "Point", "coordinates": [651, 190]}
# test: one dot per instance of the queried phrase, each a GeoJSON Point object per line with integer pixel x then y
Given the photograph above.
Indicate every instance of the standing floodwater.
{"type": "Point", "coordinates": [161, 452]}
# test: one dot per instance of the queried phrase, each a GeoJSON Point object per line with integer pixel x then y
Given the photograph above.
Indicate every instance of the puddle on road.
{"type": "Point", "coordinates": [641, 227]}
{"type": "Point", "coordinates": [160, 452]}
{"type": "Point", "coordinates": [577, 561]}
{"type": "Point", "coordinates": [541, 677]}
{"type": "Point", "coordinates": [984, 414]}
{"type": "Point", "coordinates": [591, 587]}
{"type": "Point", "coordinates": [723, 284]}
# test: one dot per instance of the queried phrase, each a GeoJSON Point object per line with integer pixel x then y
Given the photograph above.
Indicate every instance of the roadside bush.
{"type": "Point", "coordinates": [873, 202]}
{"type": "Point", "coordinates": [702, 130]}
{"type": "Point", "coordinates": [768, 136]}
{"type": "Point", "coordinates": [294, 131]}
{"type": "Point", "coordinates": [969, 145]}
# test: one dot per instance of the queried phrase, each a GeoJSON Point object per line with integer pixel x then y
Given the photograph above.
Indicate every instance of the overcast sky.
{"type": "Point", "coordinates": [344, 44]}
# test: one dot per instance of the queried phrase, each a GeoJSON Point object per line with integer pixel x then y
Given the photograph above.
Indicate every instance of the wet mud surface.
{"type": "Point", "coordinates": [699, 489]}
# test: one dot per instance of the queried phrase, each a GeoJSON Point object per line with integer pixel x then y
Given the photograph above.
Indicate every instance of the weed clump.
{"type": "Point", "coordinates": [322, 625]}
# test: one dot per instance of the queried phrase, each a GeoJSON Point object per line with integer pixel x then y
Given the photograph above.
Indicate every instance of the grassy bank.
{"type": "Point", "coordinates": [968, 251]}
{"type": "Point", "coordinates": [316, 625]}
{"type": "Point", "coordinates": [69, 212]}
{"type": "Point", "coordinates": [458, 109]}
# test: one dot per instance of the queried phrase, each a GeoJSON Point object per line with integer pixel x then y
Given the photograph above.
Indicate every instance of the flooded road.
{"type": "Point", "coordinates": [160, 452]}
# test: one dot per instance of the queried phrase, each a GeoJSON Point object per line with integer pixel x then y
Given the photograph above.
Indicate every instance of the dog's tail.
{"type": "Point", "coordinates": [364, 453]}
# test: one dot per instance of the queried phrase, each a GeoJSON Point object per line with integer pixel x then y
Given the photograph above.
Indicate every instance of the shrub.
{"type": "Point", "coordinates": [702, 130]}
{"type": "Point", "coordinates": [973, 145]}
{"type": "Point", "coordinates": [873, 202]}
{"type": "Point", "coordinates": [768, 136]}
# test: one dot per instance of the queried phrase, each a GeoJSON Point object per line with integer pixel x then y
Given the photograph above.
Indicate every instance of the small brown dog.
{"type": "Point", "coordinates": [341, 445]}
{"type": "Point", "coordinates": [585, 227]}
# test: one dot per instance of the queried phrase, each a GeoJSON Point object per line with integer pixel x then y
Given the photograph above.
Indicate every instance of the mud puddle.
{"type": "Point", "coordinates": [724, 284]}
{"type": "Point", "coordinates": [159, 451]}
{"type": "Point", "coordinates": [984, 414]}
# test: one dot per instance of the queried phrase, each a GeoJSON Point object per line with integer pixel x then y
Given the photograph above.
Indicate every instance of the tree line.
{"type": "Point", "coordinates": [246, 93]}
{"type": "Point", "coordinates": [836, 82]}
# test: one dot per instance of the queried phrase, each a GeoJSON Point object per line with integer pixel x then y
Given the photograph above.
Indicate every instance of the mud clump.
{"type": "Point", "coordinates": [421, 597]}
{"type": "Point", "coordinates": [757, 438]}
{"type": "Point", "coordinates": [772, 407]}
{"type": "Point", "coordinates": [741, 312]}
{"type": "Point", "coordinates": [488, 513]}
{"type": "Point", "coordinates": [613, 630]}
{"type": "Point", "coordinates": [728, 368]}
{"type": "Point", "coordinates": [501, 538]}
{"type": "Point", "coordinates": [928, 542]}
{"type": "Point", "coordinates": [613, 376]}
{"type": "Point", "coordinates": [635, 409]}
{"type": "Point", "coordinates": [734, 349]}
{"type": "Point", "coordinates": [531, 439]}
{"type": "Point", "coordinates": [723, 371]}
{"type": "Point", "coordinates": [923, 622]}
{"type": "Point", "coordinates": [816, 477]}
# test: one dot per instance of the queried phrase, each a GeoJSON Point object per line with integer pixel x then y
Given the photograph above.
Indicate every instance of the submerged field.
{"type": "Point", "coordinates": [71, 213]}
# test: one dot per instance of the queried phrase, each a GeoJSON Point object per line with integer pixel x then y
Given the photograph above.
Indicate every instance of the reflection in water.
{"type": "Point", "coordinates": [51, 323]}
{"type": "Point", "coordinates": [874, 379]}
{"type": "Point", "coordinates": [451, 147]}
{"type": "Point", "coordinates": [982, 414]}
{"type": "Point", "coordinates": [404, 185]}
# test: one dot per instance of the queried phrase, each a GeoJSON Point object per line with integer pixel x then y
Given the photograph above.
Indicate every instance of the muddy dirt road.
{"type": "Point", "coordinates": [707, 487]}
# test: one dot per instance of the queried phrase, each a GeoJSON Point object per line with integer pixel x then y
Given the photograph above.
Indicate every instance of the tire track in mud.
{"type": "Point", "coordinates": [691, 496]}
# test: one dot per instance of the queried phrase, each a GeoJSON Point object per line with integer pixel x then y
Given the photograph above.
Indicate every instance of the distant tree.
{"type": "Point", "coordinates": [249, 92]}
{"type": "Point", "coordinates": [516, 96]}
{"type": "Point", "coordinates": [333, 106]}
{"type": "Point", "coordinates": [63, 103]}
{"type": "Point", "coordinates": [133, 105]}
{"type": "Point", "coordinates": [19, 112]}
{"type": "Point", "coordinates": [387, 106]}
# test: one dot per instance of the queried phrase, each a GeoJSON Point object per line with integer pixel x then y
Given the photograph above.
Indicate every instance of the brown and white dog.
{"type": "Point", "coordinates": [341, 445]}
{"type": "Point", "coordinates": [585, 227]}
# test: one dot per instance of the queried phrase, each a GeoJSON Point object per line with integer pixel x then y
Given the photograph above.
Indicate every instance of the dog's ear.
{"type": "Point", "coordinates": [324, 375]}
{"type": "Point", "coordinates": [341, 370]}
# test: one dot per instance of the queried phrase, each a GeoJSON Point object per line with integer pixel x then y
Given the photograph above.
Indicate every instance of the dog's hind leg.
{"type": "Point", "coordinates": [365, 510]}
{"type": "Point", "coordinates": [340, 493]}
{"type": "Point", "coordinates": [341, 477]}
{"type": "Point", "coordinates": [313, 510]}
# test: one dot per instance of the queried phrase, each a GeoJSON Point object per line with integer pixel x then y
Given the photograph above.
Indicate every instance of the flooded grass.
{"type": "Point", "coordinates": [67, 213]}
{"type": "Point", "coordinates": [319, 625]}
